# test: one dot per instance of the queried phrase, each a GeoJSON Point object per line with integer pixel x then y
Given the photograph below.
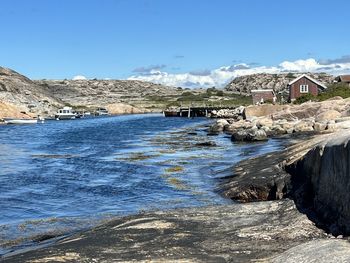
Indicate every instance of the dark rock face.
{"type": "Point", "coordinates": [257, 179]}
{"type": "Point", "coordinates": [322, 178]}
{"type": "Point", "coordinates": [264, 177]}
{"type": "Point", "coordinates": [231, 233]}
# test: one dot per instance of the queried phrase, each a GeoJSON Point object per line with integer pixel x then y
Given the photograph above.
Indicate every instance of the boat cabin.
{"type": "Point", "coordinates": [65, 110]}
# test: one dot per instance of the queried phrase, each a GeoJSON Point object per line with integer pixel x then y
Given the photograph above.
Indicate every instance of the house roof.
{"type": "Point", "coordinates": [344, 78]}
{"type": "Point", "coordinates": [308, 77]}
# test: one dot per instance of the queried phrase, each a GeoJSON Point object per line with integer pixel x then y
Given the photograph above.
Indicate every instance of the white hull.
{"type": "Point", "coordinates": [65, 117]}
{"type": "Point", "coordinates": [21, 121]}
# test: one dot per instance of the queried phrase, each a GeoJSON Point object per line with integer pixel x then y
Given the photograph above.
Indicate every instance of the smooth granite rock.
{"type": "Point", "coordinates": [228, 233]}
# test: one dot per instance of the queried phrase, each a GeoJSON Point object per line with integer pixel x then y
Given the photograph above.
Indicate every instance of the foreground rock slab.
{"type": "Point", "coordinates": [230, 233]}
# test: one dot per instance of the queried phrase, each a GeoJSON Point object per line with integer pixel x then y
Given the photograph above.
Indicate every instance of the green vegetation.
{"type": "Point", "coordinates": [291, 76]}
{"type": "Point", "coordinates": [305, 98]}
{"type": "Point", "coordinates": [338, 89]}
{"type": "Point", "coordinates": [209, 97]}
{"type": "Point", "coordinates": [220, 93]}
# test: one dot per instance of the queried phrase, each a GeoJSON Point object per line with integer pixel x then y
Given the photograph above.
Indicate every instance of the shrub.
{"type": "Point", "coordinates": [187, 93]}
{"type": "Point", "coordinates": [305, 98]}
{"type": "Point", "coordinates": [220, 93]}
{"type": "Point", "coordinates": [290, 76]}
{"type": "Point", "coordinates": [338, 89]}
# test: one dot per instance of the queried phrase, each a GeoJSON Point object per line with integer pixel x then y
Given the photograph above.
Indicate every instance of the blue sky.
{"type": "Point", "coordinates": [58, 39]}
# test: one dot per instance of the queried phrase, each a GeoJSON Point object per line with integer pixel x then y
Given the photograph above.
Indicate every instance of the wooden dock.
{"type": "Point", "coordinates": [191, 112]}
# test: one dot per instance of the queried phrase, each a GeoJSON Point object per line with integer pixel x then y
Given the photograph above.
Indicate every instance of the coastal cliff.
{"type": "Point", "coordinates": [323, 179]}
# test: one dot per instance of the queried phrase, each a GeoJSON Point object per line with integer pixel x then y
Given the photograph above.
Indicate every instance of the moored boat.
{"type": "Point", "coordinates": [20, 121]}
{"type": "Point", "coordinates": [101, 112]}
{"type": "Point", "coordinates": [65, 114]}
{"type": "Point", "coordinates": [171, 112]}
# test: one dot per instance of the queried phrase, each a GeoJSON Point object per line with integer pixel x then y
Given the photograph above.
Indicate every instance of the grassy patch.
{"type": "Point", "coordinates": [213, 97]}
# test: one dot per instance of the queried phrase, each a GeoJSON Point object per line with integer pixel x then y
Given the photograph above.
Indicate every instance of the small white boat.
{"type": "Point", "coordinates": [20, 121]}
{"type": "Point", "coordinates": [65, 114]}
{"type": "Point", "coordinates": [101, 112]}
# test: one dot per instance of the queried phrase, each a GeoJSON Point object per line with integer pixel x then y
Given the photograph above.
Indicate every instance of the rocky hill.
{"type": "Point", "coordinates": [44, 97]}
{"type": "Point", "coordinates": [96, 93]}
{"type": "Point", "coordinates": [277, 82]}
{"type": "Point", "coordinates": [21, 92]}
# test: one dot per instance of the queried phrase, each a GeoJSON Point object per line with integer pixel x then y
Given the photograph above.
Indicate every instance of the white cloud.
{"type": "Point", "coordinates": [79, 77]}
{"type": "Point", "coordinates": [221, 76]}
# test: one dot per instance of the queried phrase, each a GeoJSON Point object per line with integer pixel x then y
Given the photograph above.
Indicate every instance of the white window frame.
{"type": "Point", "coordinates": [304, 88]}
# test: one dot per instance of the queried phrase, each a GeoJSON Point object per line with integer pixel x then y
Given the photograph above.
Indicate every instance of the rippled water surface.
{"type": "Point", "coordinates": [67, 175]}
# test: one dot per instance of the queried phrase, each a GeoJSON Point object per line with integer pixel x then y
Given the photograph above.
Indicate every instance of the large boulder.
{"type": "Point", "coordinates": [324, 110]}
{"type": "Point", "coordinates": [277, 130]}
{"type": "Point", "coordinates": [228, 113]}
{"type": "Point", "coordinates": [263, 110]}
{"type": "Point", "coordinates": [320, 126]}
{"type": "Point", "coordinates": [218, 126]}
{"type": "Point", "coordinates": [328, 115]}
{"type": "Point", "coordinates": [238, 125]}
{"type": "Point", "coordinates": [304, 126]}
{"type": "Point", "coordinates": [264, 121]}
{"type": "Point", "coordinates": [250, 135]}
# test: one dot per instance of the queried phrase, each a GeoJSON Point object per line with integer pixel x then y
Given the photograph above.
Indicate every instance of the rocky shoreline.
{"type": "Point", "coordinates": [291, 205]}
{"type": "Point", "coordinates": [230, 233]}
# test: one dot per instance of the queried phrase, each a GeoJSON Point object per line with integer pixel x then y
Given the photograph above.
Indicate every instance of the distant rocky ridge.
{"type": "Point", "coordinates": [277, 82]}
{"type": "Point", "coordinates": [103, 92]}
{"type": "Point", "coordinates": [44, 97]}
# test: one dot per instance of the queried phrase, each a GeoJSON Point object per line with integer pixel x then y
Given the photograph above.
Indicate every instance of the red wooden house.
{"type": "Point", "coordinates": [343, 79]}
{"type": "Point", "coordinates": [263, 95]}
{"type": "Point", "coordinates": [304, 85]}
